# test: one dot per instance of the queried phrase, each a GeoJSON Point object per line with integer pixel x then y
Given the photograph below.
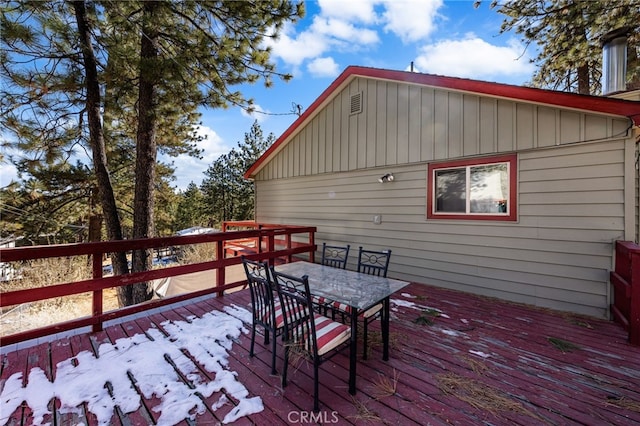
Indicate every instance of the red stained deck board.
{"type": "Point", "coordinates": [14, 363]}
{"type": "Point", "coordinates": [558, 375]}
{"type": "Point", "coordinates": [554, 387]}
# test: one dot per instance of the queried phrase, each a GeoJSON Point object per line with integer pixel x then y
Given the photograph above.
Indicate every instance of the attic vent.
{"type": "Point", "coordinates": [356, 104]}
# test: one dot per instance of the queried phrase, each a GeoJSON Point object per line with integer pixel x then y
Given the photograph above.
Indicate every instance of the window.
{"type": "Point", "coordinates": [478, 189]}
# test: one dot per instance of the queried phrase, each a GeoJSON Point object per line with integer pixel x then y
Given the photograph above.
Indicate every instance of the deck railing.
{"type": "Point", "coordinates": [276, 243]}
{"type": "Point", "coordinates": [626, 284]}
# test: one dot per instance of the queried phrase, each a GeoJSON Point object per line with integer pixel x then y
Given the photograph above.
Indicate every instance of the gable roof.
{"type": "Point", "coordinates": [598, 104]}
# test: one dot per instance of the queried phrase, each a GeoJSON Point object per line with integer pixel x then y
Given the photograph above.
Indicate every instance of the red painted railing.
{"type": "Point", "coordinates": [277, 239]}
{"type": "Point", "coordinates": [626, 284]}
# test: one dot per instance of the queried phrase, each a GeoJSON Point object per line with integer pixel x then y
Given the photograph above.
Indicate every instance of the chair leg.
{"type": "Point", "coordinates": [365, 339]}
{"type": "Point", "coordinates": [253, 339]}
{"type": "Point", "coordinates": [285, 366]}
{"type": "Point", "coordinates": [273, 355]}
{"type": "Point", "coordinates": [316, 402]}
{"type": "Point", "coordinates": [266, 336]}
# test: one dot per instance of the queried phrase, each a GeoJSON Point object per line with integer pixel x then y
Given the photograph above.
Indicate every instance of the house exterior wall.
{"type": "Point", "coordinates": [575, 196]}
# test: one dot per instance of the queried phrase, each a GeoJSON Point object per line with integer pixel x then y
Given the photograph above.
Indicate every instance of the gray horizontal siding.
{"type": "Point", "coordinates": [557, 255]}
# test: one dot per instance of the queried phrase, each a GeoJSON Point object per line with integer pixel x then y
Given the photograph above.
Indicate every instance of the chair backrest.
{"type": "Point", "coordinates": [335, 256]}
{"type": "Point", "coordinates": [262, 291]}
{"type": "Point", "coordinates": [374, 262]}
{"type": "Point", "coordinates": [297, 310]}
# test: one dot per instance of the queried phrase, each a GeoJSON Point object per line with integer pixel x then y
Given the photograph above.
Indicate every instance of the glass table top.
{"type": "Point", "coordinates": [357, 290]}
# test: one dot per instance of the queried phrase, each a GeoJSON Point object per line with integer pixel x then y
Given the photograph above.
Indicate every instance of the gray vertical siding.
{"type": "Point", "coordinates": [573, 196]}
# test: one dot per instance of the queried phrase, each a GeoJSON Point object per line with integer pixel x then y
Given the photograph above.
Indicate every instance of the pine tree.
{"type": "Point", "coordinates": [154, 64]}
{"type": "Point", "coordinates": [228, 195]}
{"type": "Point", "coordinates": [568, 34]}
{"type": "Point", "coordinates": [190, 209]}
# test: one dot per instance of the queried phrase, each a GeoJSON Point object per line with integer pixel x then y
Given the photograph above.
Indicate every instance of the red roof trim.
{"type": "Point", "coordinates": [625, 108]}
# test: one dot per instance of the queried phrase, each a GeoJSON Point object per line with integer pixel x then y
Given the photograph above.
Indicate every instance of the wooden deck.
{"type": "Point", "coordinates": [455, 359]}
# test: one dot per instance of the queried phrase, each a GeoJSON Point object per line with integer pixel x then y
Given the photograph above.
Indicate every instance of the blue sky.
{"type": "Point", "coordinates": [440, 37]}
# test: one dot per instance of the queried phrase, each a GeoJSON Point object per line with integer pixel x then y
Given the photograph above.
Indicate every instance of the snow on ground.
{"type": "Point", "coordinates": [83, 378]}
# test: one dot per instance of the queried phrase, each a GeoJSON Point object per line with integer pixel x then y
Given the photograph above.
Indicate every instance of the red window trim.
{"type": "Point", "coordinates": [512, 159]}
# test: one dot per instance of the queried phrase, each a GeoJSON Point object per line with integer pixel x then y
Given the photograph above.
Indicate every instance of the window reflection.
{"type": "Point", "coordinates": [489, 188]}
{"type": "Point", "coordinates": [451, 191]}
{"type": "Point", "coordinates": [480, 189]}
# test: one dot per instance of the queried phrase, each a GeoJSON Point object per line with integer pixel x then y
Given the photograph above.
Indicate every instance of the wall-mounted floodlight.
{"type": "Point", "coordinates": [386, 178]}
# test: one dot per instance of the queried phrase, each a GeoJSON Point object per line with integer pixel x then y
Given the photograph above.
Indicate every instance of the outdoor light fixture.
{"type": "Point", "coordinates": [386, 178]}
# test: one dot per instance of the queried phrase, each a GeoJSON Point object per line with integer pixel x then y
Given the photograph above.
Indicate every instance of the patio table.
{"type": "Point", "coordinates": [357, 290]}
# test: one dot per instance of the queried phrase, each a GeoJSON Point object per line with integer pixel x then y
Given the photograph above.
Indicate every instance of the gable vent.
{"type": "Point", "coordinates": [356, 104]}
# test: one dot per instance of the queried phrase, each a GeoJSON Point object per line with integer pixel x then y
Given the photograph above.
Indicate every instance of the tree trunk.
{"type": "Point", "coordinates": [96, 140]}
{"type": "Point", "coordinates": [584, 86]}
{"type": "Point", "coordinates": [146, 149]}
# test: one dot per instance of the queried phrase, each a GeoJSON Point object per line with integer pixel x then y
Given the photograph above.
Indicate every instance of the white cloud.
{"type": "Point", "coordinates": [473, 57]}
{"type": "Point", "coordinates": [353, 26]}
{"type": "Point", "coordinates": [189, 169]}
{"type": "Point", "coordinates": [333, 28]}
{"type": "Point", "coordinates": [411, 20]}
{"type": "Point", "coordinates": [293, 48]}
{"type": "Point", "coordinates": [338, 29]}
{"type": "Point", "coordinates": [353, 10]}
{"type": "Point", "coordinates": [323, 67]}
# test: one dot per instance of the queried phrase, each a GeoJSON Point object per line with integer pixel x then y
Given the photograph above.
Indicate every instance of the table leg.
{"type": "Point", "coordinates": [385, 329]}
{"type": "Point", "coordinates": [353, 351]}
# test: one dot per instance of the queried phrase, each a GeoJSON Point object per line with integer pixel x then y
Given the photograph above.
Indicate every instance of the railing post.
{"type": "Point", "coordinates": [312, 241]}
{"type": "Point", "coordinates": [634, 311]}
{"type": "Point", "coordinates": [97, 308]}
{"type": "Point", "coordinates": [220, 276]}
{"type": "Point", "coordinates": [271, 246]}
{"type": "Point", "coordinates": [288, 239]}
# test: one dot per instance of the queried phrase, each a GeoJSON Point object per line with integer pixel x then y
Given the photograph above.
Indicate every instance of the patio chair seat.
{"type": "Point", "coordinates": [329, 334]}
{"type": "Point", "coordinates": [279, 318]}
{"type": "Point", "coordinates": [346, 309]}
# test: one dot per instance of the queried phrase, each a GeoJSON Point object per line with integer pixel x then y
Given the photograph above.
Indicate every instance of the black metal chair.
{"type": "Point", "coordinates": [370, 262]}
{"type": "Point", "coordinates": [336, 256]}
{"type": "Point", "coordinates": [265, 307]}
{"type": "Point", "coordinates": [307, 333]}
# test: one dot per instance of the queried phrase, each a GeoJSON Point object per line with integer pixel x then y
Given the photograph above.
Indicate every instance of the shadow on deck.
{"type": "Point", "coordinates": [455, 359]}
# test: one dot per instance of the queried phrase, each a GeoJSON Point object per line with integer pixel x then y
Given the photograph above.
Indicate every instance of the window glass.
{"type": "Point", "coordinates": [489, 188]}
{"type": "Point", "coordinates": [483, 188]}
{"type": "Point", "coordinates": [451, 193]}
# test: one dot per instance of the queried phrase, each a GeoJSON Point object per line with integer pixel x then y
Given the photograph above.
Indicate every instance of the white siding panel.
{"type": "Point", "coordinates": [471, 123]}
{"type": "Point", "coordinates": [414, 124]}
{"type": "Point", "coordinates": [323, 147]}
{"type": "Point", "coordinates": [381, 124]}
{"type": "Point", "coordinates": [391, 118]}
{"type": "Point", "coordinates": [441, 119]}
{"type": "Point", "coordinates": [455, 120]}
{"type": "Point", "coordinates": [402, 117]}
{"type": "Point", "coordinates": [547, 127]}
{"type": "Point", "coordinates": [488, 125]}
{"type": "Point", "coordinates": [525, 134]}
{"type": "Point", "coordinates": [506, 126]}
{"type": "Point", "coordinates": [371, 111]}
{"type": "Point", "coordinates": [427, 125]}
{"type": "Point", "coordinates": [572, 201]}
